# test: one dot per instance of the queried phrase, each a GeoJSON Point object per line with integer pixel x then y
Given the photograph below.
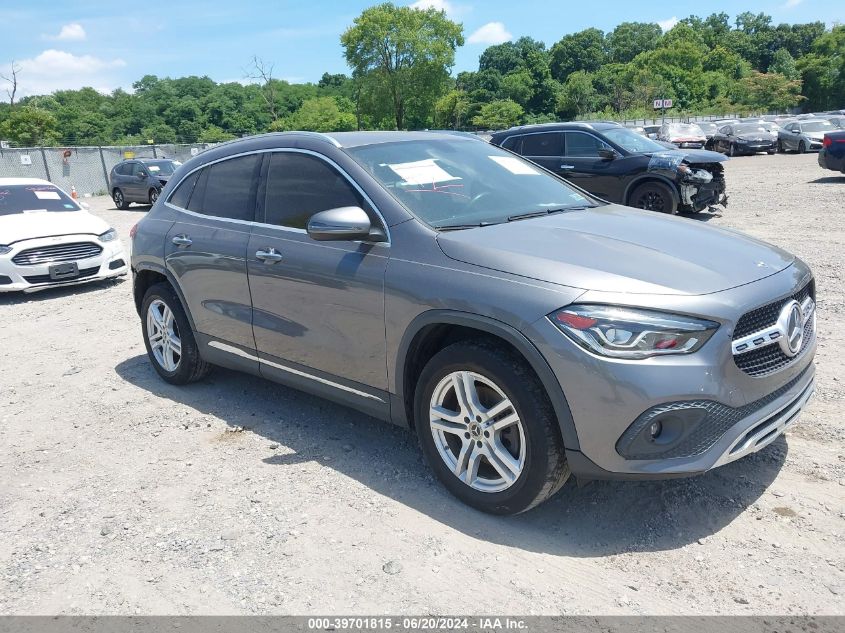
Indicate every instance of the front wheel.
{"type": "Point", "coordinates": [781, 148]}
{"type": "Point", "coordinates": [653, 196]}
{"type": "Point", "coordinates": [732, 150]}
{"type": "Point", "coordinates": [488, 430]}
{"type": "Point", "coordinates": [153, 195]}
{"type": "Point", "coordinates": [802, 148]}
{"type": "Point", "coordinates": [168, 337]}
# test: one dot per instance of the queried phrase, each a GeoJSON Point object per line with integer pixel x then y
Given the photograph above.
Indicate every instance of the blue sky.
{"type": "Point", "coordinates": [111, 44]}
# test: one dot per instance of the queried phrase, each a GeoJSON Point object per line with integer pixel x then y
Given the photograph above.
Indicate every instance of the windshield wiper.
{"type": "Point", "coordinates": [538, 214]}
{"type": "Point", "coordinates": [461, 227]}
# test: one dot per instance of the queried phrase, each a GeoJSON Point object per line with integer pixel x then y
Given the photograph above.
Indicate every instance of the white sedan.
{"type": "Point", "coordinates": [47, 239]}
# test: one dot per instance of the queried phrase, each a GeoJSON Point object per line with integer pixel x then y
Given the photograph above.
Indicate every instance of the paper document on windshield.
{"type": "Point", "coordinates": [515, 166]}
{"type": "Point", "coordinates": [421, 172]}
{"type": "Point", "coordinates": [47, 195]}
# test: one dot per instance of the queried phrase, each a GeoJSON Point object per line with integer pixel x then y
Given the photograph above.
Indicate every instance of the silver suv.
{"type": "Point", "coordinates": [524, 329]}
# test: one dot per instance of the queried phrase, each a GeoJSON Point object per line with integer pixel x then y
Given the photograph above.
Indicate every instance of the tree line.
{"type": "Point", "coordinates": [401, 61]}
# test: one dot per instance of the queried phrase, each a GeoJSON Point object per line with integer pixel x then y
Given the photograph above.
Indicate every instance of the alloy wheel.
{"type": "Point", "coordinates": [652, 201]}
{"type": "Point", "coordinates": [163, 335]}
{"type": "Point", "coordinates": [153, 196]}
{"type": "Point", "coordinates": [118, 198]}
{"type": "Point", "coordinates": [477, 431]}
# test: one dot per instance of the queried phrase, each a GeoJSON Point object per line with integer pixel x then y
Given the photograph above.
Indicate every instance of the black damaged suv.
{"type": "Point", "coordinates": [619, 165]}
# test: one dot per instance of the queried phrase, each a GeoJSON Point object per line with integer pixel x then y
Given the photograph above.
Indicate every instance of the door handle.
{"type": "Point", "coordinates": [182, 240]}
{"type": "Point", "coordinates": [269, 256]}
{"type": "Point", "coordinates": [567, 166]}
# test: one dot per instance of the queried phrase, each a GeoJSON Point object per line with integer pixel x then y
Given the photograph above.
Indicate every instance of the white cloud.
{"type": "Point", "coordinates": [59, 70]}
{"type": "Point", "coordinates": [490, 33]}
{"type": "Point", "coordinates": [72, 32]}
{"type": "Point", "coordinates": [668, 23]}
{"type": "Point", "coordinates": [792, 3]}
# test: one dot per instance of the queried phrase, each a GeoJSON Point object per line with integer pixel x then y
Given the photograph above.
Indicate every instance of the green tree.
{"type": "Point", "coordinates": [408, 51]}
{"type": "Point", "coordinates": [451, 109]}
{"type": "Point", "coordinates": [629, 39]}
{"type": "Point", "coordinates": [770, 91]}
{"type": "Point", "coordinates": [784, 64]}
{"type": "Point", "coordinates": [498, 115]}
{"type": "Point", "coordinates": [518, 86]}
{"type": "Point", "coordinates": [578, 96]}
{"type": "Point", "coordinates": [30, 127]}
{"type": "Point", "coordinates": [584, 50]}
{"type": "Point", "coordinates": [321, 114]}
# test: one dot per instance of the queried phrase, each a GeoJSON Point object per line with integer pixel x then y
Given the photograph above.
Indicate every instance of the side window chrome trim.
{"type": "Point", "coordinates": [276, 226]}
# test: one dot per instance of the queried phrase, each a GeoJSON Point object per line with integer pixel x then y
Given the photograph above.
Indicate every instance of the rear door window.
{"type": "Point", "coordinates": [183, 192]}
{"type": "Point", "coordinates": [545, 144]}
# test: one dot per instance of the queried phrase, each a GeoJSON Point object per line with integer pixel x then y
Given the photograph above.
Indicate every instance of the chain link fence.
{"type": "Point", "coordinates": [85, 168]}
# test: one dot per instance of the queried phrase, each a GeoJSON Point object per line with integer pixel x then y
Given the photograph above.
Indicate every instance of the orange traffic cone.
{"type": "Point", "coordinates": [73, 193]}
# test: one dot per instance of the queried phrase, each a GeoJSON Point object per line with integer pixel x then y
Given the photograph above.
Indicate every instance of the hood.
{"type": "Point", "coordinates": [766, 136]}
{"type": "Point", "coordinates": [26, 226]}
{"type": "Point", "coordinates": [619, 249]}
{"type": "Point", "coordinates": [696, 156]}
{"type": "Point", "coordinates": [815, 135]}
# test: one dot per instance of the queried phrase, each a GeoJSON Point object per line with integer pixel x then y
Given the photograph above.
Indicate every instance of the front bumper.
{"type": "Point", "coordinates": [607, 396]}
{"type": "Point", "coordinates": [111, 262]}
{"type": "Point", "coordinates": [754, 147]}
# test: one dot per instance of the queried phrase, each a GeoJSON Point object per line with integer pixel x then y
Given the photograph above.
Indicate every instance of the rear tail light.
{"type": "Point", "coordinates": [133, 231]}
{"type": "Point", "coordinates": [827, 142]}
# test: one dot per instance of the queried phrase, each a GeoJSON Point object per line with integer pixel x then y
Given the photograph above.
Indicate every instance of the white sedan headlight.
{"type": "Point", "coordinates": [632, 333]}
{"type": "Point", "coordinates": [5, 249]}
{"type": "Point", "coordinates": [108, 236]}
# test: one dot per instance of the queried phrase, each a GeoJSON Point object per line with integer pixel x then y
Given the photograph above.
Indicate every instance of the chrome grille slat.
{"type": "Point", "coordinates": [57, 253]}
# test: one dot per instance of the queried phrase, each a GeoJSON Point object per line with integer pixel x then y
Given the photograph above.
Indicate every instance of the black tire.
{"type": "Point", "coordinates": [732, 150]}
{"type": "Point", "coordinates": [653, 196]}
{"type": "Point", "coordinates": [781, 148]}
{"type": "Point", "coordinates": [545, 468]}
{"type": "Point", "coordinates": [770, 152]}
{"type": "Point", "coordinates": [153, 195]}
{"type": "Point", "coordinates": [191, 367]}
{"type": "Point", "coordinates": [119, 200]}
{"type": "Point", "coordinates": [802, 147]}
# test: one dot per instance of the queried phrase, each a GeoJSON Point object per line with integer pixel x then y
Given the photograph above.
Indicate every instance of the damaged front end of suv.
{"type": "Point", "coordinates": [698, 176]}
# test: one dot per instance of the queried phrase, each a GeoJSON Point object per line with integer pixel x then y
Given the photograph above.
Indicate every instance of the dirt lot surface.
{"type": "Point", "coordinates": [122, 494]}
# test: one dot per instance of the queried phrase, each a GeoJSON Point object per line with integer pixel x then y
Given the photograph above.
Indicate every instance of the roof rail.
{"type": "Point", "coordinates": [320, 135]}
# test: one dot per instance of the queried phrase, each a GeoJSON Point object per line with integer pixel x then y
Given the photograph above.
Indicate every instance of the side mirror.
{"type": "Point", "coordinates": [343, 224]}
{"type": "Point", "coordinates": [607, 154]}
{"type": "Point", "coordinates": [142, 174]}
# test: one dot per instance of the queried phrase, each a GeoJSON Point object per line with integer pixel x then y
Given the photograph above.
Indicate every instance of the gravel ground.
{"type": "Point", "coordinates": [121, 494]}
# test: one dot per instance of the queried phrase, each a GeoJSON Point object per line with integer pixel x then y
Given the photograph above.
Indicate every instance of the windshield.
{"type": "Point", "coordinates": [457, 183]}
{"type": "Point", "coordinates": [751, 128]}
{"type": "Point", "coordinates": [16, 199]}
{"type": "Point", "coordinates": [162, 167]}
{"type": "Point", "coordinates": [689, 129]}
{"type": "Point", "coordinates": [631, 141]}
{"type": "Point", "coordinates": [816, 126]}
{"type": "Point", "coordinates": [707, 127]}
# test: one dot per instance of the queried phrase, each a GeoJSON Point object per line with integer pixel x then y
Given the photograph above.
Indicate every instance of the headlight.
{"type": "Point", "coordinates": [108, 236]}
{"type": "Point", "coordinates": [5, 249]}
{"type": "Point", "coordinates": [630, 332]}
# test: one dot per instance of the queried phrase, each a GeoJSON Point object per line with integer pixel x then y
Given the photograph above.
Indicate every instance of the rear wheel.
{"type": "Point", "coordinates": [119, 200]}
{"type": "Point", "coordinates": [168, 337]}
{"type": "Point", "coordinates": [653, 196]}
{"type": "Point", "coordinates": [732, 150]}
{"type": "Point", "coordinates": [487, 428]}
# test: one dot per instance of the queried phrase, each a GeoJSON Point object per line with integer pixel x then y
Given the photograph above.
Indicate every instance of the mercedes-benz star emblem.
{"type": "Point", "coordinates": [791, 321]}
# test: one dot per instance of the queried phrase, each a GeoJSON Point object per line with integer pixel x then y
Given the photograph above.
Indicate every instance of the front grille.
{"type": "Point", "coordinates": [57, 253]}
{"type": "Point", "coordinates": [43, 279]}
{"type": "Point", "coordinates": [767, 315]}
{"type": "Point", "coordinates": [720, 418]}
{"type": "Point", "coordinates": [769, 359]}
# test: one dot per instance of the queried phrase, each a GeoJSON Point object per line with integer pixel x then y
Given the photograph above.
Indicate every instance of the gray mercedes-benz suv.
{"type": "Point", "coordinates": [523, 328]}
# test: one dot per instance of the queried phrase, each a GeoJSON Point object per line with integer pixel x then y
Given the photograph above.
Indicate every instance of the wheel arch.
{"type": "Point", "coordinates": [652, 177]}
{"type": "Point", "coordinates": [147, 274]}
{"type": "Point", "coordinates": [433, 330]}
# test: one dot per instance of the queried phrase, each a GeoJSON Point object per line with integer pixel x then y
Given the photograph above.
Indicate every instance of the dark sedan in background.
{"type": "Point", "coordinates": [743, 138]}
{"type": "Point", "coordinates": [832, 153]}
{"type": "Point", "coordinates": [619, 165]}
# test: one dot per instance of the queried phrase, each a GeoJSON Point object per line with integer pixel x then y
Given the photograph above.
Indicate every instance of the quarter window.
{"type": "Point", "coordinates": [547, 144]}
{"type": "Point", "coordinates": [180, 197]}
{"type": "Point", "coordinates": [300, 185]}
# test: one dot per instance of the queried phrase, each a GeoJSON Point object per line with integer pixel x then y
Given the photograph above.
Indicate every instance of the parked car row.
{"type": "Point", "coordinates": [139, 180]}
